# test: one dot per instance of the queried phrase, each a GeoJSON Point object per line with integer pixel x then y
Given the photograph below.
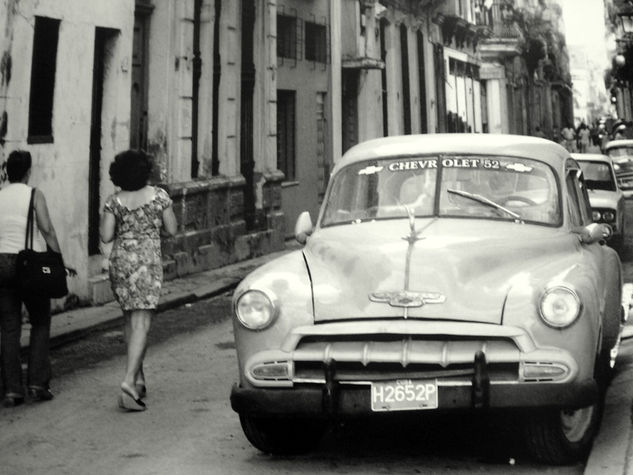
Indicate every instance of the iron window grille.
{"type": "Point", "coordinates": [289, 36]}
{"type": "Point", "coordinates": [286, 136]}
{"type": "Point", "coordinates": [317, 46]}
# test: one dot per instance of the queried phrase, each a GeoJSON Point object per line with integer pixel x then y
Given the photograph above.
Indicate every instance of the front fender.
{"type": "Point", "coordinates": [288, 280]}
{"type": "Point", "coordinates": [581, 338]}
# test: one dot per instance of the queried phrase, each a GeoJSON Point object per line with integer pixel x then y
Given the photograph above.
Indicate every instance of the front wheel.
{"type": "Point", "coordinates": [561, 436]}
{"type": "Point", "coordinates": [282, 436]}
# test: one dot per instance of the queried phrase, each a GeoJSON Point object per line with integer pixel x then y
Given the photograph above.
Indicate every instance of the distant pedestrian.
{"type": "Point", "coordinates": [569, 138]}
{"type": "Point", "coordinates": [584, 135]}
{"type": "Point", "coordinates": [15, 199]}
{"type": "Point", "coordinates": [133, 217]}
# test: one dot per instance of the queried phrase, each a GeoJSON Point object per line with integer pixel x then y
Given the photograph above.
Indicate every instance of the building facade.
{"type": "Point", "coordinates": [526, 68]}
{"type": "Point", "coordinates": [65, 82]}
{"type": "Point", "coordinates": [245, 105]}
{"type": "Point", "coordinates": [619, 77]}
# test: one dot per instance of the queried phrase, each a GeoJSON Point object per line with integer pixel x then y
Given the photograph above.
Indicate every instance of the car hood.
{"type": "Point", "coordinates": [604, 199]}
{"type": "Point", "coordinates": [463, 268]}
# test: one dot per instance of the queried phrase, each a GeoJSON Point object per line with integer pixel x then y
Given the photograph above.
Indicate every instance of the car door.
{"type": "Point", "coordinates": [607, 277]}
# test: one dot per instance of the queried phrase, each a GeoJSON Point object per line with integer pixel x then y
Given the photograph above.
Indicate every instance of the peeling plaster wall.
{"type": "Point", "coordinates": [307, 79]}
{"type": "Point", "coordinates": [170, 88]}
{"type": "Point", "coordinates": [60, 169]}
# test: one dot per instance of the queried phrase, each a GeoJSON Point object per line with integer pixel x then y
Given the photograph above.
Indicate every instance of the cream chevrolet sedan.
{"type": "Point", "coordinates": [444, 272]}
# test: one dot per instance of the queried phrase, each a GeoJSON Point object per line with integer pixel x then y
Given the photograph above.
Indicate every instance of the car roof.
{"type": "Point", "coordinates": [519, 146]}
{"type": "Point", "coordinates": [591, 157]}
{"type": "Point", "coordinates": [619, 143]}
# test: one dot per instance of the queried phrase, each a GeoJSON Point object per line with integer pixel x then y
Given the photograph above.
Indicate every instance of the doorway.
{"type": "Point", "coordinates": [104, 43]}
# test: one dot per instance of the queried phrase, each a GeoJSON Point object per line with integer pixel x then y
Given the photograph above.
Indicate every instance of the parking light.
{"type": "Point", "coordinates": [271, 371]}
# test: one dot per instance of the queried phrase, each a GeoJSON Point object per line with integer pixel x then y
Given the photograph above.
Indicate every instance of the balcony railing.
{"type": "Point", "coordinates": [502, 19]}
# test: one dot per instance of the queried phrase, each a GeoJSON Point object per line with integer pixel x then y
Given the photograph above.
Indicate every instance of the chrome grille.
{"type": "Point", "coordinates": [399, 357]}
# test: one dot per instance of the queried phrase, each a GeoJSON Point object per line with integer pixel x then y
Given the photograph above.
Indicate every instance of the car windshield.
{"type": "Point", "coordinates": [501, 188]}
{"type": "Point", "coordinates": [620, 152]}
{"type": "Point", "coordinates": [598, 175]}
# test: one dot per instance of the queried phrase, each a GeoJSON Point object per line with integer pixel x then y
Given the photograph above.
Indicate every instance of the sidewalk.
{"type": "Point", "coordinates": [613, 448]}
{"type": "Point", "coordinates": [76, 323]}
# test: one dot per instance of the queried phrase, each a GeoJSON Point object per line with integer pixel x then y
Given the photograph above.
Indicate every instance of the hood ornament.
{"type": "Point", "coordinates": [407, 298]}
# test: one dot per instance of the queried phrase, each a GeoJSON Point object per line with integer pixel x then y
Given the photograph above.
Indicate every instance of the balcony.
{"type": "Point", "coordinates": [507, 38]}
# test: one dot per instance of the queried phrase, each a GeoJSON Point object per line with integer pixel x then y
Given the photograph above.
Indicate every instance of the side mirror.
{"type": "Point", "coordinates": [594, 232]}
{"type": "Point", "coordinates": [303, 227]}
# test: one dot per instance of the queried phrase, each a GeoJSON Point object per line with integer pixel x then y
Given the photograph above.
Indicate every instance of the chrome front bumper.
{"type": "Point", "coordinates": [379, 351]}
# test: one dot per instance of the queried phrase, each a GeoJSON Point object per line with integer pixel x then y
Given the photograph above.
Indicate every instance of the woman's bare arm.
{"type": "Point", "coordinates": [169, 221]}
{"type": "Point", "coordinates": [44, 222]}
{"type": "Point", "coordinates": [106, 228]}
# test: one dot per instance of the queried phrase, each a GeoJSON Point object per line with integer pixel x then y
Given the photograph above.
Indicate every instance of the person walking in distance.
{"type": "Point", "coordinates": [15, 199]}
{"type": "Point", "coordinates": [133, 218]}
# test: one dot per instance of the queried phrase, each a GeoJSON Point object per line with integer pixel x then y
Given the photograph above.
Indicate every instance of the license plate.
{"type": "Point", "coordinates": [404, 395]}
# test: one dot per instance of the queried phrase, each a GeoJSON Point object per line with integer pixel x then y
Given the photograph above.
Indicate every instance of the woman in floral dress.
{"type": "Point", "coordinates": [133, 217]}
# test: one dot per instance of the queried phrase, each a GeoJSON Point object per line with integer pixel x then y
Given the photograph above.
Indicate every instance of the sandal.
{"type": "Point", "coordinates": [130, 401]}
{"type": "Point", "coordinates": [141, 389]}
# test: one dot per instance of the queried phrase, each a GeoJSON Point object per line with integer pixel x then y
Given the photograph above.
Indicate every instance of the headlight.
{"type": "Point", "coordinates": [595, 215]}
{"type": "Point", "coordinates": [559, 307]}
{"type": "Point", "coordinates": [255, 310]}
{"type": "Point", "coordinates": [608, 216]}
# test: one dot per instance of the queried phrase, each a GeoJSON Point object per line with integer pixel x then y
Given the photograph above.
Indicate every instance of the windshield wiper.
{"type": "Point", "coordinates": [483, 200]}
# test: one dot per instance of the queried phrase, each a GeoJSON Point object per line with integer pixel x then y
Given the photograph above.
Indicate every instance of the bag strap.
{"type": "Point", "coordinates": [28, 243]}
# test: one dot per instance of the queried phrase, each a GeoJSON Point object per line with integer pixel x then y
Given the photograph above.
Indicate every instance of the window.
{"type": "Point", "coordinates": [316, 42]}
{"type": "Point", "coordinates": [286, 36]}
{"type": "Point", "coordinates": [46, 34]}
{"type": "Point", "coordinates": [573, 199]}
{"type": "Point", "coordinates": [286, 139]}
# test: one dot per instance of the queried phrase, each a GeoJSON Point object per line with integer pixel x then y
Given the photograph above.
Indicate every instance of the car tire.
{"type": "Point", "coordinates": [564, 436]}
{"type": "Point", "coordinates": [282, 436]}
{"type": "Point", "coordinates": [561, 437]}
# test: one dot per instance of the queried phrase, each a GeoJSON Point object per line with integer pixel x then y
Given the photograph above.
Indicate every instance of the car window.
{"type": "Point", "coordinates": [500, 188]}
{"type": "Point", "coordinates": [573, 201]}
{"type": "Point", "coordinates": [583, 198]}
{"type": "Point", "coordinates": [598, 175]}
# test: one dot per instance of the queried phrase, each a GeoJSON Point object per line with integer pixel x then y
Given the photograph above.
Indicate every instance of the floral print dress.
{"type": "Point", "coordinates": [136, 271]}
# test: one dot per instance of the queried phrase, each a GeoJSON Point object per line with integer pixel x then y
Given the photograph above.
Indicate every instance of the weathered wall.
{"type": "Point", "coordinates": [60, 168]}
{"type": "Point", "coordinates": [212, 232]}
{"type": "Point", "coordinates": [307, 78]}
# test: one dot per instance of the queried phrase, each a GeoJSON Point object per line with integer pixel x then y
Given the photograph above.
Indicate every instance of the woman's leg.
{"type": "Point", "coordinates": [137, 327]}
{"type": "Point", "coordinates": [127, 330]}
{"type": "Point", "coordinates": [10, 328]}
{"type": "Point", "coordinates": [39, 373]}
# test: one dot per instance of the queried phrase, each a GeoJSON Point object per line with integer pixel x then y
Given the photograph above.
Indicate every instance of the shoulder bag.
{"type": "Point", "coordinates": [39, 273]}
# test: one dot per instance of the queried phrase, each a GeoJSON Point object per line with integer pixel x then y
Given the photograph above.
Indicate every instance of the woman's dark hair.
{"type": "Point", "coordinates": [18, 165]}
{"type": "Point", "coordinates": [131, 170]}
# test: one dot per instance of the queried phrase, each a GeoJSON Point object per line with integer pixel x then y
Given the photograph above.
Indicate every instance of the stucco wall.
{"type": "Point", "coordinates": [307, 78]}
{"type": "Point", "coordinates": [60, 169]}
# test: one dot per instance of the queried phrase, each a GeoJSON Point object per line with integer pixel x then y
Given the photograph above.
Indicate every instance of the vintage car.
{"type": "Point", "coordinates": [621, 152]}
{"type": "Point", "coordinates": [606, 199]}
{"type": "Point", "coordinates": [444, 272]}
